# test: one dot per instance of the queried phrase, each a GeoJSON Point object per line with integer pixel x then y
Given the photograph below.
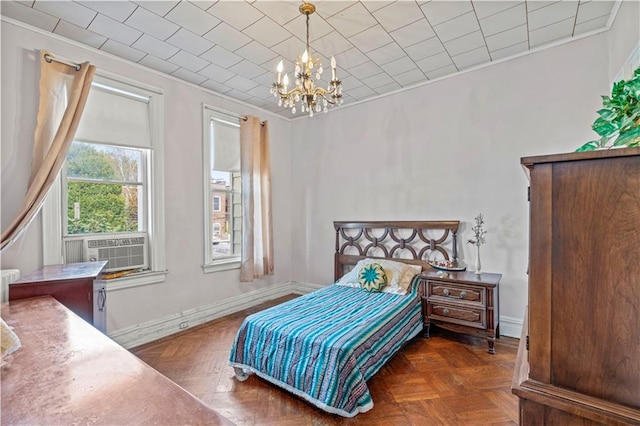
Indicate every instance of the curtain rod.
{"type": "Point", "coordinates": [245, 118]}
{"type": "Point", "coordinates": [48, 57]}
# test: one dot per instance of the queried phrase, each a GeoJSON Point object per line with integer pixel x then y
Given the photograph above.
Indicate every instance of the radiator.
{"type": "Point", "coordinates": [8, 276]}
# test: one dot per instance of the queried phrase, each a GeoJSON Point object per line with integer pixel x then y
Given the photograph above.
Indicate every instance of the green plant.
{"type": "Point", "coordinates": [618, 123]}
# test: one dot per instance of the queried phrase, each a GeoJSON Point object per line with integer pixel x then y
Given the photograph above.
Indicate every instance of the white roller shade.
{"type": "Point", "coordinates": [226, 147]}
{"type": "Point", "coordinates": [115, 118]}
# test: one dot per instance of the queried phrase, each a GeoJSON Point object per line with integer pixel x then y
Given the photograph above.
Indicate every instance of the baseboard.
{"type": "Point", "coordinates": [511, 327]}
{"type": "Point", "coordinates": [140, 334]}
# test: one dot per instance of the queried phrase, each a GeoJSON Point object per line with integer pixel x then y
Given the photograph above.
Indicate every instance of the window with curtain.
{"type": "Point", "coordinates": [112, 182]}
{"type": "Point", "coordinates": [222, 190]}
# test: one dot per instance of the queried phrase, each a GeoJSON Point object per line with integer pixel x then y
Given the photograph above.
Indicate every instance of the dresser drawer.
{"type": "Point", "coordinates": [456, 292]}
{"type": "Point", "coordinates": [457, 314]}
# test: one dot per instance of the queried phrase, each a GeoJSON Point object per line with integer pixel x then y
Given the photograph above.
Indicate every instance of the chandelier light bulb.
{"type": "Point", "coordinates": [305, 57]}
{"type": "Point", "coordinates": [280, 68]}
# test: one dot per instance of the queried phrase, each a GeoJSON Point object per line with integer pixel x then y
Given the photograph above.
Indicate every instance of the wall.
{"type": "Point", "coordinates": [447, 150]}
{"type": "Point", "coordinates": [186, 287]}
{"type": "Point", "coordinates": [624, 36]}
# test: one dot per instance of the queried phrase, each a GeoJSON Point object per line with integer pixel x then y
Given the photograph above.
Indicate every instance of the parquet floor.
{"type": "Point", "coordinates": [447, 379]}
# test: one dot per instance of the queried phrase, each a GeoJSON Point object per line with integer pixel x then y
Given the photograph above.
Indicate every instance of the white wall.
{"type": "Point", "coordinates": [624, 35]}
{"type": "Point", "coordinates": [447, 150]}
{"type": "Point", "coordinates": [186, 287]}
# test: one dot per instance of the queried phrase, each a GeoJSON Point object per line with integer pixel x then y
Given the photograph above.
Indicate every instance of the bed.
{"type": "Point", "coordinates": [325, 345]}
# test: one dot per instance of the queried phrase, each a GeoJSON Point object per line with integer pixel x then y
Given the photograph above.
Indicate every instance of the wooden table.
{"type": "Point", "coordinates": [67, 372]}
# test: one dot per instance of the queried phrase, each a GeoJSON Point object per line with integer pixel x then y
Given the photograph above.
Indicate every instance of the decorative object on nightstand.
{"type": "Point", "coordinates": [463, 302]}
{"type": "Point", "coordinates": [478, 240]}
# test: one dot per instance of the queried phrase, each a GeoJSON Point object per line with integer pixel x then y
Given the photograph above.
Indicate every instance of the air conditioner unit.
{"type": "Point", "coordinates": [123, 251]}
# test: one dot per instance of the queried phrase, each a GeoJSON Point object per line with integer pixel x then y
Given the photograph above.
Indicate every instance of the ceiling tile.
{"type": "Point", "coordinates": [241, 83]}
{"type": "Point", "coordinates": [457, 27]}
{"type": "Point", "coordinates": [361, 92]}
{"type": "Point", "coordinates": [373, 5]}
{"type": "Point", "coordinates": [154, 46]}
{"type": "Point", "coordinates": [235, 13]}
{"type": "Point", "coordinates": [192, 18]}
{"type": "Point", "coordinates": [485, 8]}
{"type": "Point", "coordinates": [438, 12]}
{"type": "Point", "coordinates": [227, 37]}
{"type": "Point", "coordinates": [388, 88]}
{"type": "Point", "coordinates": [398, 15]}
{"type": "Point", "coordinates": [186, 40]}
{"type": "Point", "coordinates": [247, 69]}
{"type": "Point", "coordinates": [158, 64]}
{"type": "Point", "coordinates": [507, 38]}
{"type": "Point", "coordinates": [318, 27]}
{"type": "Point", "coordinates": [267, 31]}
{"type": "Point", "coordinates": [350, 58]}
{"type": "Point", "coordinates": [441, 72]}
{"type": "Point", "coordinates": [471, 58]}
{"type": "Point", "coordinates": [122, 50]}
{"type": "Point", "coordinates": [160, 8]}
{"type": "Point", "coordinates": [386, 53]}
{"type": "Point", "coordinates": [28, 15]}
{"type": "Point", "coordinates": [434, 62]}
{"type": "Point", "coordinates": [465, 43]}
{"type": "Point", "coordinates": [594, 9]}
{"type": "Point", "coordinates": [188, 61]}
{"type": "Point", "coordinates": [280, 11]}
{"type": "Point", "coordinates": [413, 33]}
{"type": "Point", "coordinates": [352, 20]}
{"type": "Point", "coordinates": [215, 86]}
{"type": "Point", "coordinates": [267, 78]}
{"type": "Point", "coordinates": [256, 52]}
{"type": "Point", "coordinates": [151, 24]}
{"type": "Point", "coordinates": [115, 30]}
{"type": "Point", "coordinates": [594, 24]}
{"type": "Point", "coordinates": [503, 21]}
{"type": "Point", "coordinates": [329, 8]}
{"type": "Point", "coordinates": [188, 76]}
{"type": "Point", "coordinates": [74, 13]}
{"type": "Point", "coordinates": [118, 10]}
{"type": "Point", "coordinates": [535, 5]}
{"type": "Point", "coordinates": [289, 49]}
{"type": "Point", "coordinates": [349, 82]}
{"type": "Point", "coordinates": [220, 56]}
{"type": "Point", "coordinates": [408, 78]}
{"type": "Point", "coordinates": [510, 51]}
{"type": "Point", "coordinates": [552, 32]}
{"type": "Point", "coordinates": [399, 66]}
{"type": "Point", "coordinates": [371, 39]}
{"type": "Point", "coordinates": [76, 33]}
{"type": "Point", "coordinates": [425, 49]}
{"type": "Point", "coordinates": [216, 73]}
{"type": "Point", "coordinates": [551, 14]}
{"type": "Point", "coordinates": [331, 44]}
{"type": "Point", "coordinates": [203, 4]}
{"type": "Point", "coordinates": [365, 70]}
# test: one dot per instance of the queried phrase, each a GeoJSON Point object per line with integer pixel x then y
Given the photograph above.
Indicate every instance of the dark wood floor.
{"type": "Point", "coordinates": [447, 379]}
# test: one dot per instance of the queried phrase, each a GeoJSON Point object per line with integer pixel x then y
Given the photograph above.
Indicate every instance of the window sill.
{"type": "Point", "coordinates": [136, 280]}
{"type": "Point", "coordinates": [222, 265]}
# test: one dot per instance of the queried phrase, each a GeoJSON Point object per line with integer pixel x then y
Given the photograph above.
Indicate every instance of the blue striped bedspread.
{"type": "Point", "coordinates": [325, 345]}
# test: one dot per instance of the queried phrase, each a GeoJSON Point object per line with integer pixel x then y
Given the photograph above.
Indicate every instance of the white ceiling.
{"type": "Point", "coordinates": [232, 47]}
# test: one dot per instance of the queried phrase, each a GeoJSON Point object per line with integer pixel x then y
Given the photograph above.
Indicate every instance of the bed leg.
{"type": "Point", "coordinates": [425, 330]}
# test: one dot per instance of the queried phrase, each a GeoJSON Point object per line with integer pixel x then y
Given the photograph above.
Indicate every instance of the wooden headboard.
{"type": "Point", "coordinates": [414, 242]}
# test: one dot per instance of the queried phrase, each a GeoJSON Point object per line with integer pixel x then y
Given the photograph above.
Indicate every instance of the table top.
{"type": "Point", "coordinates": [65, 271]}
{"type": "Point", "coordinates": [486, 278]}
{"type": "Point", "coordinates": [67, 372]}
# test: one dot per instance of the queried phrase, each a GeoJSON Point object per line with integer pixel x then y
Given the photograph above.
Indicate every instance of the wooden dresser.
{"type": "Point", "coordinates": [463, 302]}
{"type": "Point", "coordinates": [582, 365]}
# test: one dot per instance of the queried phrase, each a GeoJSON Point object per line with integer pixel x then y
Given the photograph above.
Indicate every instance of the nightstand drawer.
{"type": "Point", "coordinates": [457, 314]}
{"type": "Point", "coordinates": [457, 292]}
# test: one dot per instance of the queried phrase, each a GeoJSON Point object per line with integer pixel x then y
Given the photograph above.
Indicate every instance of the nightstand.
{"type": "Point", "coordinates": [463, 302]}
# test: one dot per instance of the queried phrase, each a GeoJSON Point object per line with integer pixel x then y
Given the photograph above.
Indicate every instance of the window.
{"type": "Point", "coordinates": [112, 185]}
{"type": "Point", "coordinates": [222, 190]}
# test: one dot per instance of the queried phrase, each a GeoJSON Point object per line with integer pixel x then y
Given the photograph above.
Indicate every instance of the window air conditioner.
{"type": "Point", "coordinates": [122, 251]}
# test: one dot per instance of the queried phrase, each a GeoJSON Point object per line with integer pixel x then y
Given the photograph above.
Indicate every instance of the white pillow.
{"type": "Point", "coordinates": [399, 275]}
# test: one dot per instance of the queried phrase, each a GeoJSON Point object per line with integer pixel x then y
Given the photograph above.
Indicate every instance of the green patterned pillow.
{"type": "Point", "coordinates": [372, 277]}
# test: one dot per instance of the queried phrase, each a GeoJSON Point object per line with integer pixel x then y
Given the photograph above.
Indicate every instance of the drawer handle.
{"type": "Point", "coordinates": [445, 311]}
{"type": "Point", "coordinates": [445, 291]}
{"type": "Point", "coordinates": [463, 294]}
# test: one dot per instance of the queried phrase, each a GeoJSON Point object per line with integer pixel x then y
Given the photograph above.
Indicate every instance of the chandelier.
{"type": "Point", "coordinates": [310, 97]}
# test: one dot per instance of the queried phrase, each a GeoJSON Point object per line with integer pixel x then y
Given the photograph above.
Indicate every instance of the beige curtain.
{"type": "Point", "coordinates": [257, 228]}
{"type": "Point", "coordinates": [63, 95]}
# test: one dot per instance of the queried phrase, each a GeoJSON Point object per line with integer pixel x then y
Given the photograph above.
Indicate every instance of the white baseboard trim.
{"type": "Point", "coordinates": [139, 334]}
{"type": "Point", "coordinates": [510, 327]}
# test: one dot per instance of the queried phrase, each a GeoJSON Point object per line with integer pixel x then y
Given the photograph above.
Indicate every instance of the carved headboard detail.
{"type": "Point", "coordinates": [414, 242]}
